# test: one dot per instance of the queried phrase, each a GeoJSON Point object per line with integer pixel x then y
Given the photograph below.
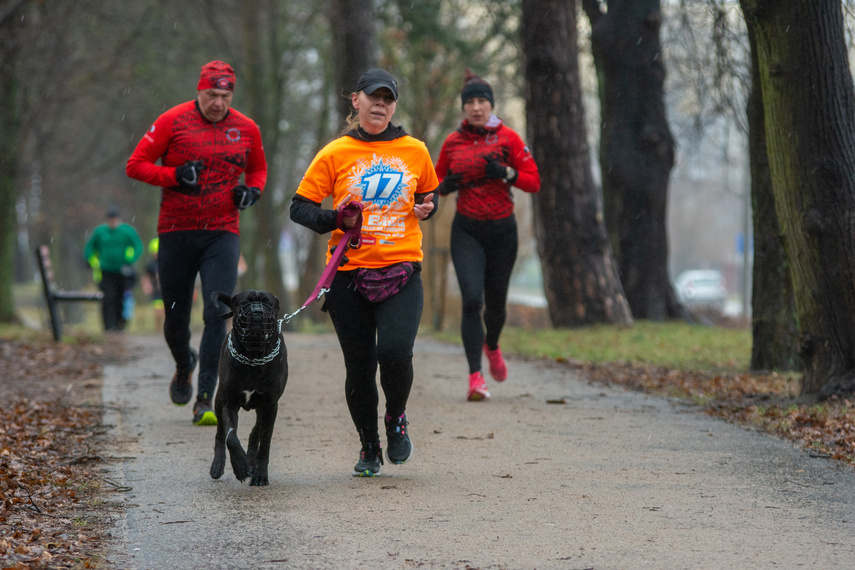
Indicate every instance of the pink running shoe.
{"type": "Point", "coordinates": [498, 368]}
{"type": "Point", "coordinates": [477, 388]}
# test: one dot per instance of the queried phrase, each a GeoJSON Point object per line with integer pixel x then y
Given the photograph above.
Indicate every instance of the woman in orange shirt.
{"type": "Point", "coordinates": [375, 300]}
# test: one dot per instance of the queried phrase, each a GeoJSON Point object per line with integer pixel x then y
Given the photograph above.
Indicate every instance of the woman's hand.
{"type": "Point", "coordinates": [424, 209]}
{"type": "Point", "coordinates": [347, 215]}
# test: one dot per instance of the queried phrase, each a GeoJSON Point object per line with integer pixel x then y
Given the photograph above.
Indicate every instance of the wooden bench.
{"type": "Point", "coordinates": [53, 294]}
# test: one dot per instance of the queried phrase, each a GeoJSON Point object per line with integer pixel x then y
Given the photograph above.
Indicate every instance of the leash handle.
{"type": "Point", "coordinates": [352, 208]}
{"type": "Point", "coordinates": [350, 239]}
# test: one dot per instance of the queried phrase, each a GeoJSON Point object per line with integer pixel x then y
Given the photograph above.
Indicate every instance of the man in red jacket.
{"type": "Point", "coordinates": [203, 146]}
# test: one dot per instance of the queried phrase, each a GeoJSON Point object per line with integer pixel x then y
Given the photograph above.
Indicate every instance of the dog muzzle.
{"type": "Point", "coordinates": [256, 326]}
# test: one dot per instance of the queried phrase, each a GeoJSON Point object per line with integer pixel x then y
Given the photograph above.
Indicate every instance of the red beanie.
{"type": "Point", "coordinates": [217, 75]}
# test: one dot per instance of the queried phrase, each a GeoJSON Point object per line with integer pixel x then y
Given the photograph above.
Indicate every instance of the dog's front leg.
{"type": "Point", "coordinates": [252, 444]}
{"type": "Point", "coordinates": [263, 430]}
{"type": "Point", "coordinates": [218, 465]}
{"type": "Point", "coordinates": [237, 456]}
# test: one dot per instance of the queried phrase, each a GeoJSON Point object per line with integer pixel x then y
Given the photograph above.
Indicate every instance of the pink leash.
{"type": "Point", "coordinates": [350, 239]}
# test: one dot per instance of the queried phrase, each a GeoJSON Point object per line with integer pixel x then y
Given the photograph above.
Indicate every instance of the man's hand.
{"type": "Point", "coordinates": [245, 196]}
{"type": "Point", "coordinates": [187, 176]}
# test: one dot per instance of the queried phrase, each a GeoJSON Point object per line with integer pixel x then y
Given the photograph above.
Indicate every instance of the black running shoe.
{"type": "Point", "coordinates": [203, 414]}
{"type": "Point", "coordinates": [370, 460]}
{"type": "Point", "coordinates": [399, 448]}
{"type": "Point", "coordinates": [181, 386]}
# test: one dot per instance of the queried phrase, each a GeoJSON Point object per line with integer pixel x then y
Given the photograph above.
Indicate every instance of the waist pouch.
{"type": "Point", "coordinates": [377, 285]}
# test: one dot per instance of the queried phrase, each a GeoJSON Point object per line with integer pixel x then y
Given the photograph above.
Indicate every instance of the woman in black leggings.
{"type": "Point", "coordinates": [396, 322]}
{"type": "Point", "coordinates": [481, 161]}
{"type": "Point", "coordinates": [389, 173]}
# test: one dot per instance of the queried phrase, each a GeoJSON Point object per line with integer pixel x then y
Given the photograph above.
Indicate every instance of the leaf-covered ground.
{"type": "Point", "coordinates": [53, 507]}
{"type": "Point", "coordinates": [56, 505]}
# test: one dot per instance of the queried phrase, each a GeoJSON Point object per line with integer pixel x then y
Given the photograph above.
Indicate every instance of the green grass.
{"type": "Point", "coordinates": [676, 345]}
{"type": "Point", "coordinates": [15, 332]}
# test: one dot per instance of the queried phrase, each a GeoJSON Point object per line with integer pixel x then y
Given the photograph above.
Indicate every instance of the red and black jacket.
{"type": "Point", "coordinates": [228, 149]}
{"type": "Point", "coordinates": [465, 153]}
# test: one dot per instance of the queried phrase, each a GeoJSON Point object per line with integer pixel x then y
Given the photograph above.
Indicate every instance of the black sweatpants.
{"type": "Point", "coordinates": [113, 286]}
{"type": "Point", "coordinates": [213, 255]}
{"type": "Point", "coordinates": [372, 334]}
{"type": "Point", "coordinates": [483, 253]}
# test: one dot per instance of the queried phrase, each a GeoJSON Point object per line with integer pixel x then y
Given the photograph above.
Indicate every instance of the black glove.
{"type": "Point", "coordinates": [495, 169]}
{"type": "Point", "coordinates": [344, 259]}
{"type": "Point", "coordinates": [187, 176]}
{"type": "Point", "coordinates": [245, 196]}
{"type": "Point", "coordinates": [449, 183]}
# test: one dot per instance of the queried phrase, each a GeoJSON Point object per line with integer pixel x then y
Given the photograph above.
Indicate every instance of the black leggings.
{"type": "Point", "coordinates": [483, 253]}
{"type": "Point", "coordinates": [214, 257]}
{"type": "Point", "coordinates": [372, 334]}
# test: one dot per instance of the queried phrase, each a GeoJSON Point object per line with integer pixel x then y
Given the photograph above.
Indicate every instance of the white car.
{"type": "Point", "coordinates": [701, 288]}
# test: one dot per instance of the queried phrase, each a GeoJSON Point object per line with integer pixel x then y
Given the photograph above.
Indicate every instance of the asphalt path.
{"type": "Point", "coordinates": [552, 472]}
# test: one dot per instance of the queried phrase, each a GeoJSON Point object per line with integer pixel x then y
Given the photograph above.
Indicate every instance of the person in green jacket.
{"type": "Point", "coordinates": [111, 252]}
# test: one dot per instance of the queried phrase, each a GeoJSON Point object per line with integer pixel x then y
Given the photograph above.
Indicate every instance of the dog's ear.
{"type": "Point", "coordinates": [273, 300]}
{"type": "Point", "coordinates": [225, 300]}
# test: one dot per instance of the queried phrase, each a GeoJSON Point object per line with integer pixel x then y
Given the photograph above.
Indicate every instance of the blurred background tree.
{"type": "Point", "coordinates": [581, 277]}
{"type": "Point", "coordinates": [636, 149]}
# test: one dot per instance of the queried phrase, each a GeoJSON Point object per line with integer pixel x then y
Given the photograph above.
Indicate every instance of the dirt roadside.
{"type": "Point", "coordinates": [553, 472]}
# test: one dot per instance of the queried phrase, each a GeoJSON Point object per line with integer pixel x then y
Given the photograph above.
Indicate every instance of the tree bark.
{"type": "Point", "coordinates": [580, 276]}
{"type": "Point", "coordinates": [10, 124]}
{"type": "Point", "coordinates": [353, 52]}
{"type": "Point", "coordinates": [354, 47]}
{"type": "Point", "coordinates": [261, 60]}
{"type": "Point", "coordinates": [636, 150]}
{"type": "Point", "coordinates": [317, 243]}
{"type": "Point", "coordinates": [773, 315]}
{"type": "Point", "coordinates": [809, 109]}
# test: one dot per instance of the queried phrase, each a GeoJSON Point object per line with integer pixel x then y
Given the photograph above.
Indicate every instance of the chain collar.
{"type": "Point", "coordinates": [256, 361]}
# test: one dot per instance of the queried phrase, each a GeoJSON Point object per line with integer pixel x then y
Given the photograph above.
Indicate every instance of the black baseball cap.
{"type": "Point", "coordinates": [374, 79]}
{"type": "Point", "coordinates": [113, 212]}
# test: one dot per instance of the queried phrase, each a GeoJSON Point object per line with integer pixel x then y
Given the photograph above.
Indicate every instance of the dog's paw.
{"type": "Point", "coordinates": [218, 466]}
{"type": "Point", "coordinates": [259, 481]}
{"type": "Point", "coordinates": [240, 471]}
{"type": "Point", "coordinates": [237, 456]}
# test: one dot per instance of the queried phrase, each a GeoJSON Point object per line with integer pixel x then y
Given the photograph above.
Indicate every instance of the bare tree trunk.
{"type": "Point", "coordinates": [773, 313]}
{"type": "Point", "coordinates": [809, 109]}
{"type": "Point", "coordinates": [636, 150]}
{"type": "Point", "coordinates": [580, 277]}
{"type": "Point", "coordinates": [10, 126]}
{"type": "Point", "coordinates": [260, 71]}
{"type": "Point", "coordinates": [314, 266]}
{"type": "Point", "coordinates": [354, 47]}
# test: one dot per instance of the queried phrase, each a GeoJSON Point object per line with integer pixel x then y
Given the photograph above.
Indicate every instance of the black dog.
{"type": "Point", "coordinates": [253, 372]}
